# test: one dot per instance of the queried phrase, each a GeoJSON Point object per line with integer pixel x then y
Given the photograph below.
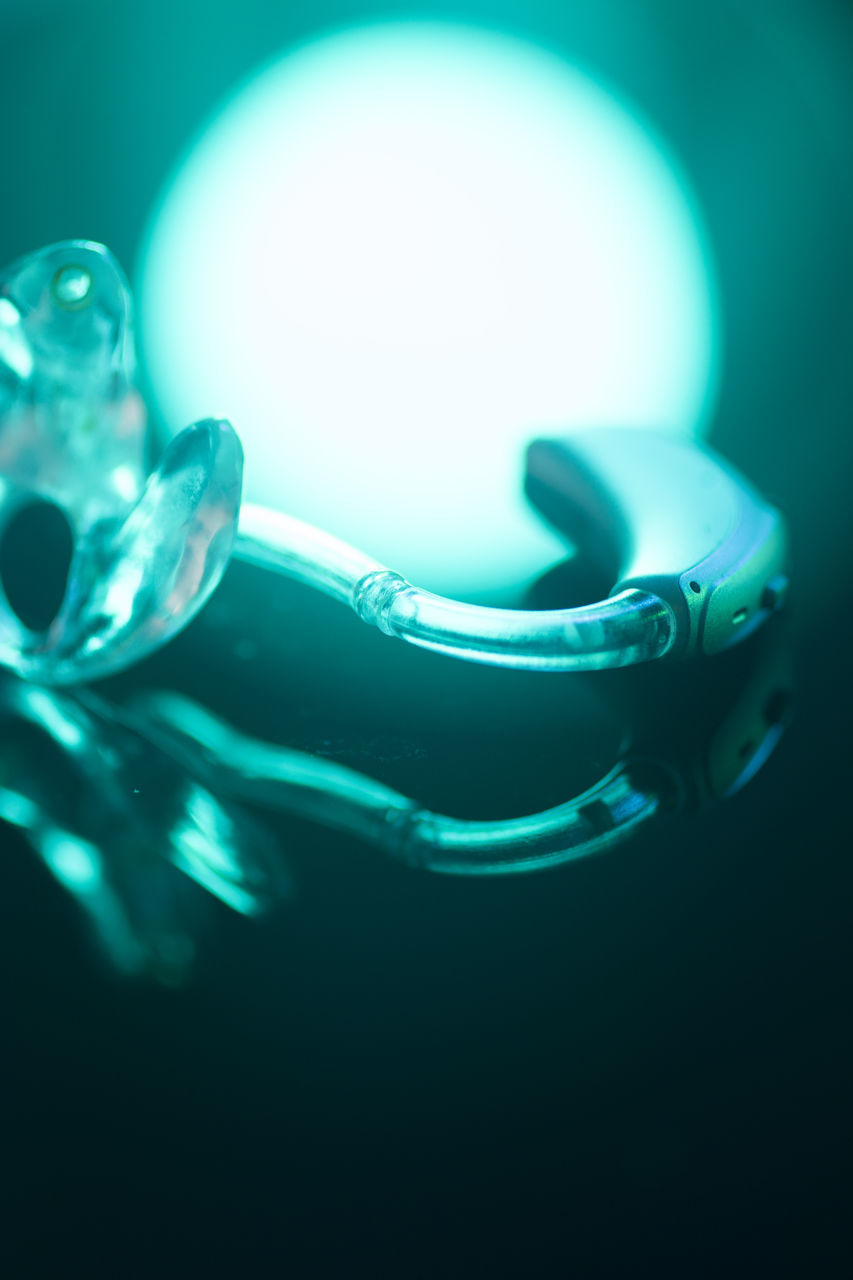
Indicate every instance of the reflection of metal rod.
{"type": "Point", "coordinates": [338, 797]}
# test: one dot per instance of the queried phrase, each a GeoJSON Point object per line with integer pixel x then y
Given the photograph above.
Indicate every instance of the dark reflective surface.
{"type": "Point", "coordinates": [637, 1063]}
{"type": "Point", "coordinates": [633, 1023]}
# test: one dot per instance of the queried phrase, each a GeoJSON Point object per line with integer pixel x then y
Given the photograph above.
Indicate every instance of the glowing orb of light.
{"type": "Point", "coordinates": [400, 252]}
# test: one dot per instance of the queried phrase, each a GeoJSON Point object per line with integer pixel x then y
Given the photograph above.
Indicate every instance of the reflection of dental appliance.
{"type": "Point", "coordinates": [124, 829]}
{"type": "Point", "coordinates": [118, 801]}
{"type": "Point", "coordinates": [682, 752]}
{"type": "Point", "coordinates": [697, 557]}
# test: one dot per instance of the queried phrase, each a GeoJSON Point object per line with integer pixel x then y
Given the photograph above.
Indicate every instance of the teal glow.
{"type": "Point", "coordinates": [14, 350]}
{"type": "Point", "coordinates": [75, 862]}
{"type": "Point", "coordinates": [203, 847]}
{"type": "Point", "coordinates": [77, 865]}
{"type": "Point", "coordinates": [46, 711]}
{"type": "Point", "coordinates": [402, 250]}
{"type": "Point", "coordinates": [19, 810]}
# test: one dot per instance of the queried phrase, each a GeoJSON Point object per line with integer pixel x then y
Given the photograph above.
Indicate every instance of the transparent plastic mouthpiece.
{"type": "Point", "coordinates": [136, 581]}
{"type": "Point", "coordinates": [72, 423]}
{"type": "Point", "coordinates": [148, 549]}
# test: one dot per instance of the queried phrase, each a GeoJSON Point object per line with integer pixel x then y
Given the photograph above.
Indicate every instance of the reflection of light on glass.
{"type": "Point", "coordinates": [75, 862]}
{"type": "Point", "coordinates": [14, 350]}
{"type": "Point", "coordinates": [397, 254]}
{"type": "Point", "coordinates": [17, 809]}
{"type": "Point", "coordinates": [78, 866]}
{"type": "Point", "coordinates": [203, 844]}
{"type": "Point", "coordinates": [48, 712]}
{"type": "Point", "coordinates": [124, 483]}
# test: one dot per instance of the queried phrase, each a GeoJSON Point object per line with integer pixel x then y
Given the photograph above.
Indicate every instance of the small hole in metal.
{"type": "Point", "coordinates": [694, 586]}
{"type": "Point", "coordinates": [739, 615]}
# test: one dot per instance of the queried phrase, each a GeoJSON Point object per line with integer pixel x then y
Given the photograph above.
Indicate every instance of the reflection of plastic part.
{"type": "Point", "coordinates": [115, 819]}
{"type": "Point", "coordinates": [698, 557]}
{"type": "Point", "coordinates": [339, 797]}
{"type": "Point", "coordinates": [118, 801]}
{"type": "Point", "coordinates": [684, 759]}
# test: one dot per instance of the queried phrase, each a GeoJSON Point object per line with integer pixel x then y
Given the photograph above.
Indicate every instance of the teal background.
{"type": "Point", "coordinates": [638, 1065]}
{"type": "Point", "coordinates": [100, 101]}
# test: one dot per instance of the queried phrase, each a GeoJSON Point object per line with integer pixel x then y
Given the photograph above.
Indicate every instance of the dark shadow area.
{"type": "Point", "coordinates": [35, 556]}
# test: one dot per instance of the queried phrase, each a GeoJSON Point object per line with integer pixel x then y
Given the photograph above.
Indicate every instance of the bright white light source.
{"type": "Point", "coordinates": [398, 254]}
